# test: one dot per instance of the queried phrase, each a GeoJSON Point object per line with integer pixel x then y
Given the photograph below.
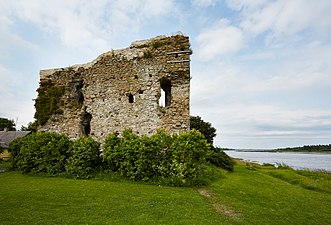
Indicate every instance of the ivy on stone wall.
{"type": "Point", "coordinates": [48, 102]}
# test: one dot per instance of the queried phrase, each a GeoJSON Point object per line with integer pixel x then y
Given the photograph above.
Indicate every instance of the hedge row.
{"type": "Point", "coordinates": [52, 153]}
{"type": "Point", "coordinates": [178, 159]}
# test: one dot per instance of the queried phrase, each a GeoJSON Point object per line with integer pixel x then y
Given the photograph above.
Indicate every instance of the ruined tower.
{"type": "Point", "coordinates": [144, 87]}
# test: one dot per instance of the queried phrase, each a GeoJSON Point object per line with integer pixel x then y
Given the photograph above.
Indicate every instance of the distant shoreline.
{"type": "Point", "coordinates": [305, 149]}
{"type": "Point", "coordinates": [276, 150]}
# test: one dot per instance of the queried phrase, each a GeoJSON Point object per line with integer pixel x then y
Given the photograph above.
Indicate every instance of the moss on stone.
{"type": "Point", "coordinates": [48, 102]}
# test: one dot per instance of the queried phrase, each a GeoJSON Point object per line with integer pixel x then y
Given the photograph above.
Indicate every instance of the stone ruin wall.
{"type": "Point", "coordinates": [121, 89]}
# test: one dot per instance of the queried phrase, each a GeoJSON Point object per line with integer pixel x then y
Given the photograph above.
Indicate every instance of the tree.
{"type": "Point", "coordinates": [204, 127]}
{"type": "Point", "coordinates": [32, 126]}
{"type": "Point", "coordinates": [6, 123]}
{"type": "Point", "coordinates": [217, 156]}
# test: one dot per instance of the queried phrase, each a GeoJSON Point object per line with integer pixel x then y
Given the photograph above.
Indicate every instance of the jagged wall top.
{"type": "Point", "coordinates": [136, 49]}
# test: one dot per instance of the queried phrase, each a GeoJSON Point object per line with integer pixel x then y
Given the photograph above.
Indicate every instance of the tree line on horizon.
{"type": "Point", "coordinates": [307, 148]}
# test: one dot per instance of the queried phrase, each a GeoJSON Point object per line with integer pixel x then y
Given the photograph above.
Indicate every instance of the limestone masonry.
{"type": "Point", "coordinates": [144, 87]}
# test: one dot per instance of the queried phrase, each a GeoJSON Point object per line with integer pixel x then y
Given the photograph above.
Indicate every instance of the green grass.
{"type": "Point", "coordinates": [250, 195]}
{"type": "Point", "coordinates": [5, 165]}
{"type": "Point", "coordinates": [45, 200]}
{"type": "Point", "coordinates": [313, 180]}
{"type": "Point", "coordinates": [263, 199]}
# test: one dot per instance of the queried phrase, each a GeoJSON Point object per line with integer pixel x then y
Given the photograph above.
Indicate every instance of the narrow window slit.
{"type": "Point", "coordinates": [86, 126]}
{"type": "Point", "coordinates": [132, 98]}
{"type": "Point", "coordinates": [165, 86]}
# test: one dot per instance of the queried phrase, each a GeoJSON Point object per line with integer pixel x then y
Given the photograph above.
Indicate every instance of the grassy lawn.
{"type": "Point", "coordinates": [250, 195]}
{"type": "Point", "coordinates": [259, 197]}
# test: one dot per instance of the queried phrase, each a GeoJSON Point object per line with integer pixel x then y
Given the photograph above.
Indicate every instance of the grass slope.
{"type": "Point", "coordinates": [264, 199]}
{"type": "Point", "coordinates": [42, 200]}
{"type": "Point", "coordinates": [250, 195]}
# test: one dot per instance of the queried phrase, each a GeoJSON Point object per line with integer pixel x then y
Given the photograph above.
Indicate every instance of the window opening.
{"type": "Point", "coordinates": [86, 120]}
{"type": "Point", "coordinates": [162, 98]}
{"type": "Point", "coordinates": [132, 98]}
{"type": "Point", "coordinates": [165, 99]}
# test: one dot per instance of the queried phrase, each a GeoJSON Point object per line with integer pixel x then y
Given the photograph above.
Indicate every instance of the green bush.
{"type": "Point", "coordinates": [220, 159]}
{"type": "Point", "coordinates": [189, 151]}
{"type": "Point", "coordinates": [176, 159]}
{"type": "Point", "coordinates": [84, 158]}
{"type": "Point", "coordinates": [111, 152]}
{"type": "Point", "coordinates": [14, 149]}
{"type": "Point", "coordinates": [124, 155]}
{"type": "Point", "coordinates": [158, 154]}
{"type": "Point", "coordinates": [42, 152]}
{"type": "Point", "coordinates": [217, 156]}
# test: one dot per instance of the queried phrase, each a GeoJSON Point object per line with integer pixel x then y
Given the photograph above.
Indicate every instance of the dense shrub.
{"type": "Point", "coordinates": [176, 158]}
{"type": "Point", "coordinates": [41, 152]}
{"type": "Point", "coordinates": [158, 154]}
{"type": "Point", "coordinates": [189, 151]}
{"type": "Point", "coordinates": [14, 149]}
{"type": "Point", "coordinates": [217, 156]}
{"type": "Point", "coordinates": [84, 158]}
{"type": "Point", "coordinates": [126, 155]}
{"type": "Point", "coordinates": [220, 159]}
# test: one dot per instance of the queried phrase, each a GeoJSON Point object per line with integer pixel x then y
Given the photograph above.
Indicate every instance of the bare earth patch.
{"type": "Point", "coordinates": [204, 192]}
{"type": "Point", "coordinates": [226, 210]}
{"type": "Point", "coordinates": [220, 208]}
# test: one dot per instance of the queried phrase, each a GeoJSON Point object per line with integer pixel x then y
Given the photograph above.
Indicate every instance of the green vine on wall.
{"type": "Point", "coordinates": [48, 102]}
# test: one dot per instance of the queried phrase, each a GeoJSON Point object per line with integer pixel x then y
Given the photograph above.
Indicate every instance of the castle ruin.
{"type": "Point", "coordinates": [144, 87]}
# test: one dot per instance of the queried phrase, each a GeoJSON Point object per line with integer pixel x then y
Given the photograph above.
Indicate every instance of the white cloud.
{"type": "Point", "coordinates": [258, 98]}
{"type": "Point", "coordinates": [290, 82]}
{"type": "Point", "coordinates": [204, 3]}
{"type": "Point", "coordinates": [91, 24]}
{"type": "Point", "coordinates": [9, 41]}
{"type": "Point", "coordinates": [282, 18]}
{"type": "Point", "coordinates": [259, 125]}
{"type": "Point", "coordinates": [130, 15]}
{"type": "Point", "coordinates": [8, 80]}
{"type": "Point", "coordinates": [248, 5]}
{"type": "Point", "coordinates": [18, 109]}
{"type": "Point", "coordinates": [74, 22]}
{"type": "Point", "coordinates": [296, 70]}
{"type": "Point", "coordinates": [15, 102]}
{"type": "Point", "coordinates": [220, 39]}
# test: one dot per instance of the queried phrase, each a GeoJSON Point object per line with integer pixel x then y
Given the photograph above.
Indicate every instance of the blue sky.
{"type": "Point", "coordinates": [261, 69]}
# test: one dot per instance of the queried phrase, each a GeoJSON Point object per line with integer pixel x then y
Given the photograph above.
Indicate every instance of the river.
{"type": "Point", "coordinates": [296, 160]}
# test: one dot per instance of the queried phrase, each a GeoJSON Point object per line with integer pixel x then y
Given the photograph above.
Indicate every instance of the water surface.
{"type": "Point", "coordinates": [297, 160]}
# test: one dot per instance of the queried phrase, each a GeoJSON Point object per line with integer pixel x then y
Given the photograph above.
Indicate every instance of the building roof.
{"type": "Point", "coordinates": [8, 136]}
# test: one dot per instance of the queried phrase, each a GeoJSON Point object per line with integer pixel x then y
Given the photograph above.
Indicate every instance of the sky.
{"type": "Point", "coordinates": [261, 69]}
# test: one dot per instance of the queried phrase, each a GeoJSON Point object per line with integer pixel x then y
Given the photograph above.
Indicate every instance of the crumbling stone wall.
{"type": "Point", "coordinates": [122, 89]}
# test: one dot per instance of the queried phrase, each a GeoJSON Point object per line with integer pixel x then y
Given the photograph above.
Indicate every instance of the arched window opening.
{"type": "Point", "coordinates": [165, 99]}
